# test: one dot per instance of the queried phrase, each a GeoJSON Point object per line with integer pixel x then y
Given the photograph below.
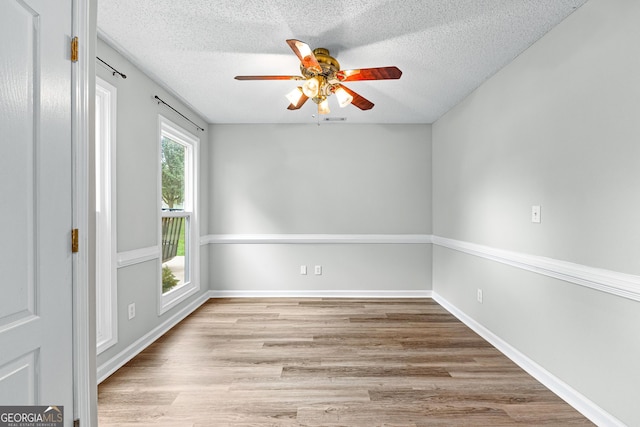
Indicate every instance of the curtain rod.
{"type": "Point", "coordinates": [183, 116]}
{"type": "Point", "coordinates": [112, 69]}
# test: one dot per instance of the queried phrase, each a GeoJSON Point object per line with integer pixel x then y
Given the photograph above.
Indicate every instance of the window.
{"type": "Point", "coordinates": [106, 285]}
{"type": "Point", "coordinates": [177, 205]}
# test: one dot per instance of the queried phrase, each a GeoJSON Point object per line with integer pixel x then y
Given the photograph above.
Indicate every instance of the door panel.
{"type": "Point", "coordinates": [36, 366]}
{"type": "Point", "coordinates": [17, 381]}
{"type": "Point", "coordinates": [17, 162]}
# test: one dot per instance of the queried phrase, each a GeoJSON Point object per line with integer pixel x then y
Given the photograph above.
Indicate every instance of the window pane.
{"type": "Point", "coordinates": [173, 182]}
{"type": "Point", "coordinates": [178, 168]}
{"type": "Point", "coordinates": [175, 248]}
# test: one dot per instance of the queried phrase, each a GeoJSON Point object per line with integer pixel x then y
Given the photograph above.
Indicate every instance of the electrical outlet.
{"type": "Point", "coordinates": [132, 310]}
{"type": "Point", "coordinates": [303, 269]}
{"type": "Point", "coordinates": [480, 296]}
{"type": "Point", "coordinates": [318, 270]}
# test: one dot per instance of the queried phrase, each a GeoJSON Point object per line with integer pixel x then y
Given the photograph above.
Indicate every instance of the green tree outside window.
{"type": "Point", "coordinates": [172, 173]}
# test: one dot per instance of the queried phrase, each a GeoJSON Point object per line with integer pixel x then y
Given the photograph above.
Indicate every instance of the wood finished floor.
{"type": "Point", "coordinates": [325, 362]}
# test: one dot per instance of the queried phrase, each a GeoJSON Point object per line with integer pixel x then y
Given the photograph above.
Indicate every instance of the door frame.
{"type": "Point", "coordinates": [84, 13]}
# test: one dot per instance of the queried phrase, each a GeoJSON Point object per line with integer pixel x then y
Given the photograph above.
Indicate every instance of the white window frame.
{"type": "Point", "coordinates": [106, 245]}
{"type": "Point", "coordinates": [167, 128]}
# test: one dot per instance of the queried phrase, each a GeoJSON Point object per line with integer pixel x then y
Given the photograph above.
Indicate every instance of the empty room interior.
{"type": "Point", "coordinates": [484, 183]}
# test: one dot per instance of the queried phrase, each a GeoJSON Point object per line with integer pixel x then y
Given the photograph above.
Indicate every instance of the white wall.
{"type": "Point", "coordinates": [558, 127]}
{"type": "Point", "coordinates": [137, 163]}
{"type": "Point", "coordinates": [330, 180]}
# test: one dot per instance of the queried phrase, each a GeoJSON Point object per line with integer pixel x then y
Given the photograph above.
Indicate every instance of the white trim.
{"type": "Point", "coordinates": [612, 282]}
{"type": "Point", "coordinates": [316, 238]}
{"type": "Point", "coordinates": [320, 294]}
{"type": "Point", "coordinates": [117, 361]}
{"type": "Point", "coordinates": [175, 296]}
{"type": "Point", "coordinates": [106, 236]}
{"type": "Point", "coordinates": [138, 256]}
{"type": "Point", "coordinates": [84, 383]}
{"type": "Point", "coordinates": [574, 398]}
{"type": "Point", "coordinates": [179, 135]}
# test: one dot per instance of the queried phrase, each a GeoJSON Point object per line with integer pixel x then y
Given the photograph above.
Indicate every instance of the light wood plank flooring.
{"type": "Point", "coordinates": [325, 362]}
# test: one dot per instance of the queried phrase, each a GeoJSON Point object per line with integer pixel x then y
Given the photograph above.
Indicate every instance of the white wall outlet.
{"type": "Point", "coordinates": [479, 296]}
{"type": "Point", "coordinates": [535, 214]}
{"type": "Point", "coordinates": [132, 310]}
{"type": "Point", "coordinates": [303, 269]}
{"type": "Point", "coordinates": [318, 269]}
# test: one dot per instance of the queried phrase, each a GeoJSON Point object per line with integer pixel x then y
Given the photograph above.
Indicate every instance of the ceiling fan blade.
{"type": "Point", "coordinates": [358, 100]}
{"type": "Point", "coordinates": [301, 101]}
{"type": "Point", "coordinates": [305, 54]}
{"type": "Point", "coordinates": [269, 78]}
{"type": "Point", "coordinates": [379, 73]}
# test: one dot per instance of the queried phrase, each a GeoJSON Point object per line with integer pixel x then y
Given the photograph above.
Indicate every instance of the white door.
{"type": "Point", "coordinates": [36, 366]}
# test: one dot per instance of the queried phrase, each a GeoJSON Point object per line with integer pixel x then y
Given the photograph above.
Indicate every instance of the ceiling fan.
{"type": "Point", "coordinates": [322, 78]}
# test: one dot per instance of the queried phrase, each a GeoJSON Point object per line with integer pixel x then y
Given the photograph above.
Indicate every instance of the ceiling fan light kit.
{"type": "Point", "coordinates": [311, 87]}
{"type": "Point", "coordinates": [295, 95]}
{"type": "Point", "coordinates": [322, 78]}
{"type": "Point", "coordinates": [343, 97]}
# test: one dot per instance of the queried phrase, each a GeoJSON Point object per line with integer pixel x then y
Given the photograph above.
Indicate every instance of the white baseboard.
{"type": "Point", "coordinates": [117, 361]}
{"type": "Point", "coordinates": [320, 294]}
{"type": "Point", "coordinates": [574, 398]}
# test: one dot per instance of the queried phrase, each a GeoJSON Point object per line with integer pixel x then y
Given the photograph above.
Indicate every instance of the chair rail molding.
{"type": "Point", "coordinates": [316, 239]}
{"type": "Point", "coordinates": [612, 282]}
{"type": "Point", "coordinates": [137, 256]}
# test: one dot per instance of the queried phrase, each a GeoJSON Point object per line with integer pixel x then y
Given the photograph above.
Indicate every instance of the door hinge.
{"type": "Point", "coordinates": [76, 422]}
{"type": "Point", "coordinates": [74, 49]}
{"type": "Point", "coordinates": [74, 240]}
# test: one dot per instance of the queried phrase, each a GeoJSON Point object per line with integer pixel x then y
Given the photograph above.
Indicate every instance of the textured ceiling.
{"type": "Point", "coordinates": [445, 48]}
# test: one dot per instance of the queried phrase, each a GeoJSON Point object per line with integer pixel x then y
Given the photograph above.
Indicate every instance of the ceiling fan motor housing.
{"type": "Point", "coordinates": [327, 78]}
{"type": "Point", "coordinates": [330, 66]}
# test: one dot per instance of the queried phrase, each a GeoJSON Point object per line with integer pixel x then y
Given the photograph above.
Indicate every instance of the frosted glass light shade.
{"type": "Point", "coordinates": [311, 87]}
{"type": "Point", "coordinates": [323, 107]}
{"type": "Point", "coordinates": [295, 95]}
{"type": "Point", "coordinates": [343, 97]}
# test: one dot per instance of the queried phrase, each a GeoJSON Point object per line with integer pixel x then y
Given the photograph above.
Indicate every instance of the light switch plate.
{"type": "Point", "coordinates": [535, 213]}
